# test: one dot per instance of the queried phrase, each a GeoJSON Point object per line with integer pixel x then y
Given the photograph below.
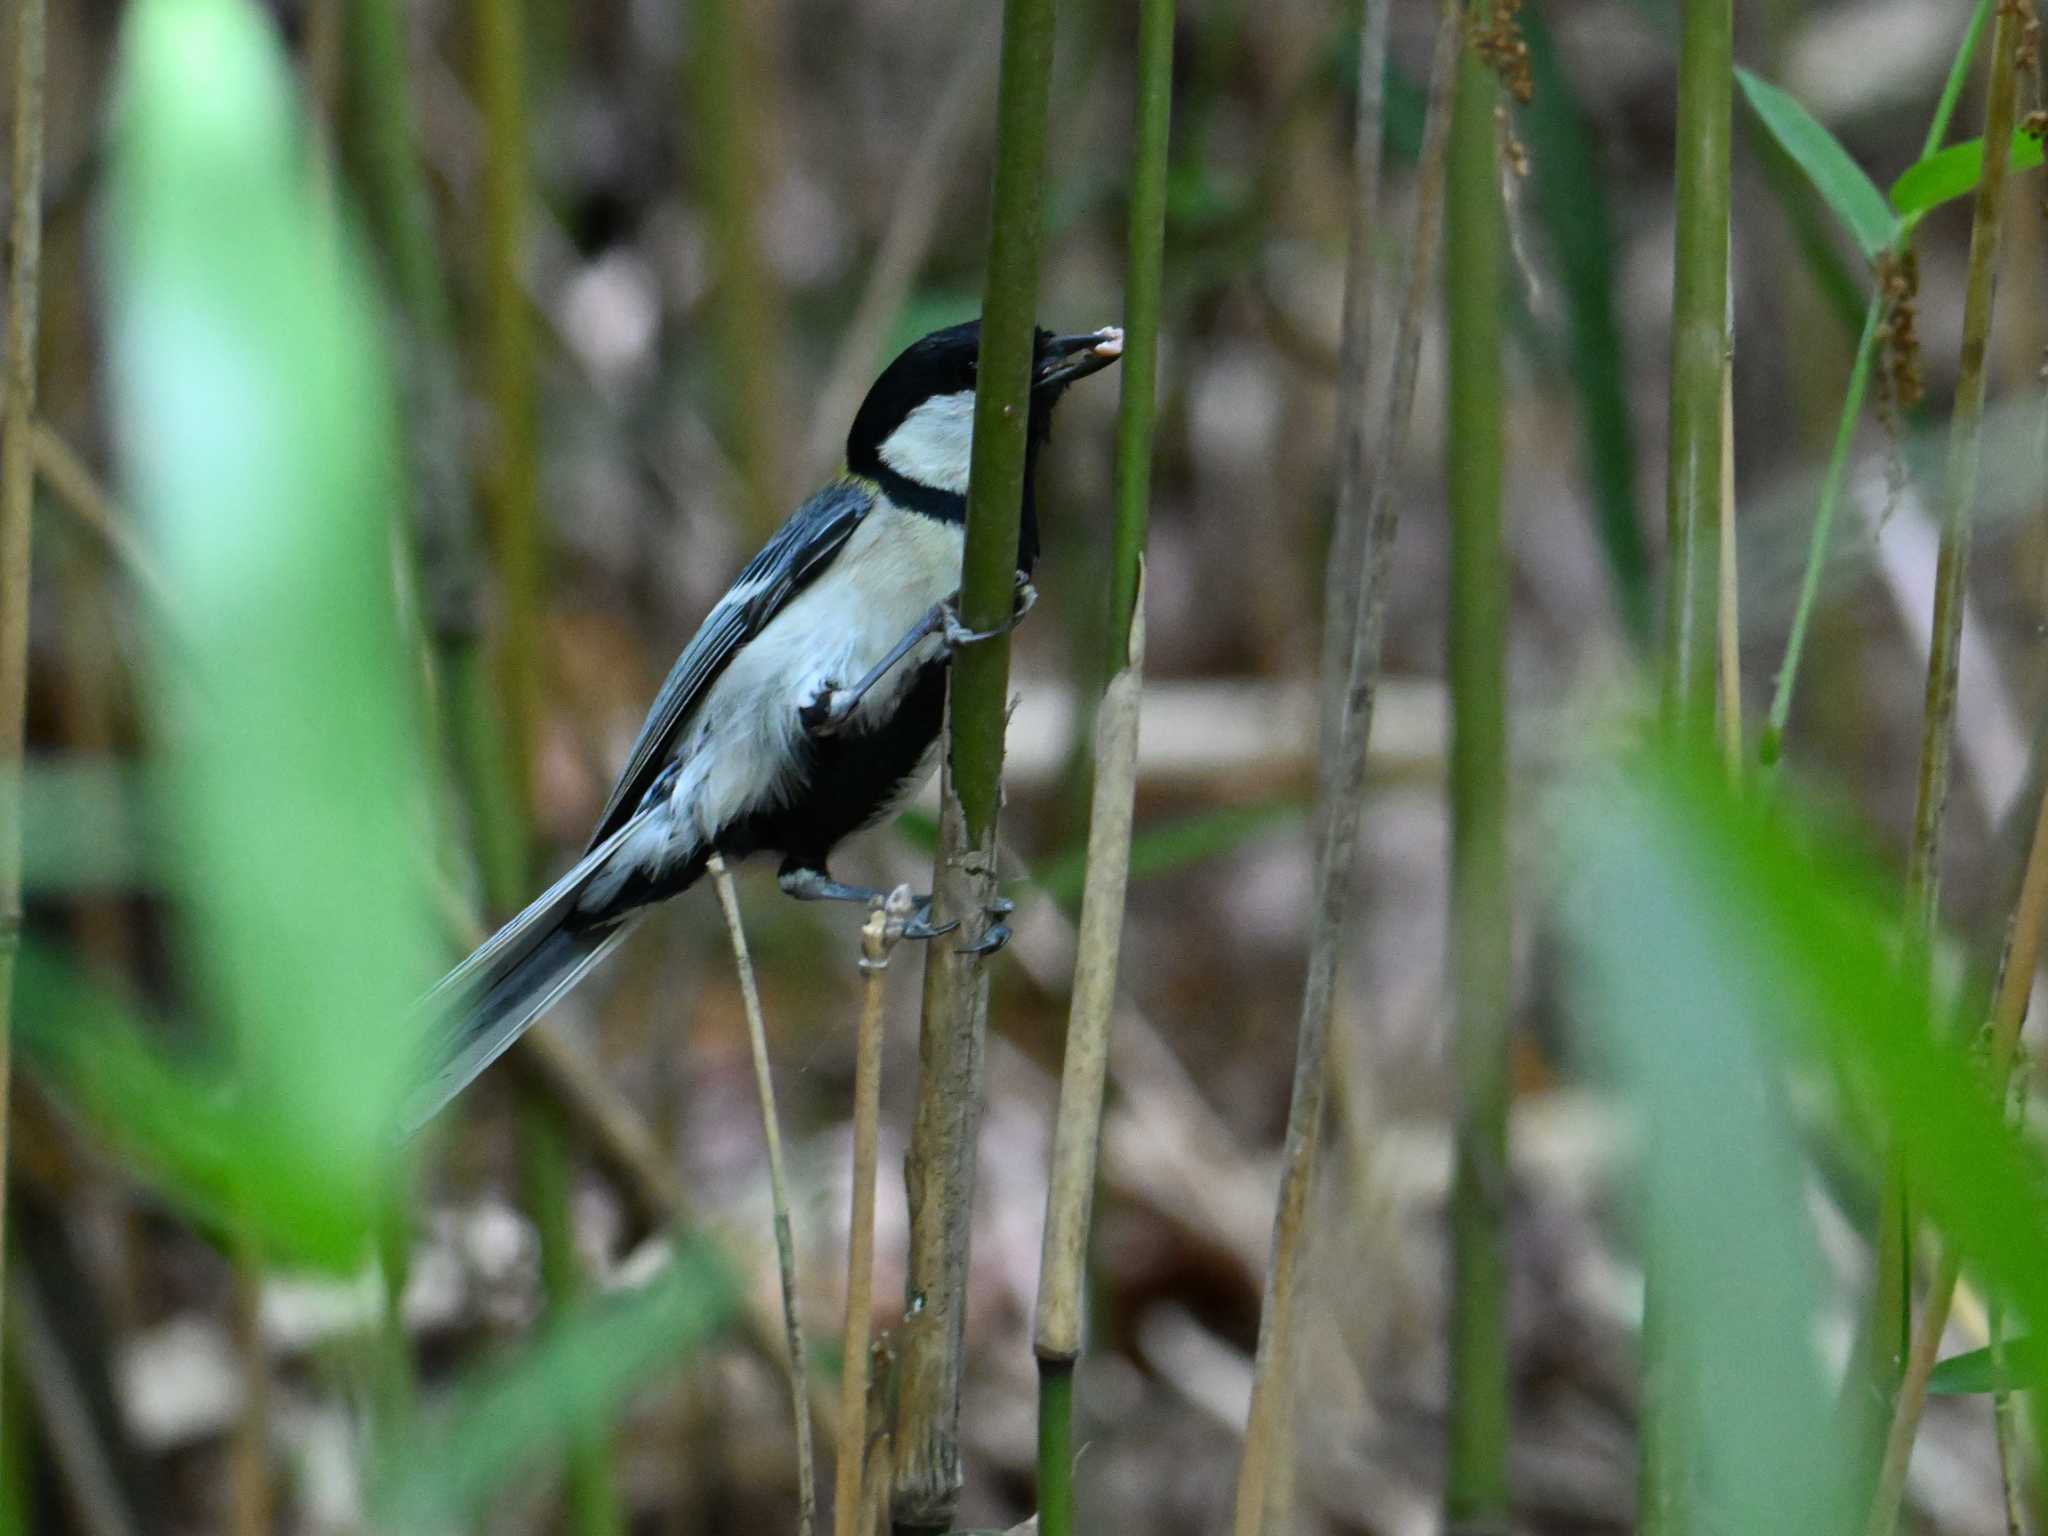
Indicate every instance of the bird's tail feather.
{"type": "Point", "coordinates": [488, 1001]}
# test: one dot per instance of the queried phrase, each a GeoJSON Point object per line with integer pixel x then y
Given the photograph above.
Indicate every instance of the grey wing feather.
{"type": "Point", "coordinates": [787, 563]}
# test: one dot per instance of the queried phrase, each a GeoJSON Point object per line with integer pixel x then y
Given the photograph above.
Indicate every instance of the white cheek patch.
{"type": "Point", "coordinates": [935, 444]}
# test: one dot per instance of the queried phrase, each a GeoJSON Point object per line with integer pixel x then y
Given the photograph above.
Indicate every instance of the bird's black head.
{"type": "Point", "coordinates": [915, 431]}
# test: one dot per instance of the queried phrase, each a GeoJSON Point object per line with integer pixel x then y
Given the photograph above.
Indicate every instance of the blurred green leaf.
{"type": "Point", "coordinates": [175, 1118]}
{"type": "Point", "coordinates": [1681, 1003]}
{"type": "Point", "coordinates": [1702, 911]}
{"type": "Point", "coordinates": [1954, 172]}
{"type": "Point", "coordinates": [1839, 179]}
{"type": "Point", "coordinates": [258, 449]}
{"type": "Point", "coordinates": [577, 1376]}
{"type": "Point", "coordinates": [2026, 1369]}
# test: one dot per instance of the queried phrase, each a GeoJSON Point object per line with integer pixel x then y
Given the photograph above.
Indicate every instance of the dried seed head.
{"type": "Point", "coordinates": [1497, 38]}
{"type": "Point", "coordinates": [1900, 385]}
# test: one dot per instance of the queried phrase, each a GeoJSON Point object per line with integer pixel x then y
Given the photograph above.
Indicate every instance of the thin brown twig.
{"type": "Point", "coordinates": [879, 936]}
{"type": "Point", "coordinates": [17, 501]}
{"type": "Point", "coordinates": [80, 1454]}
{"type": "Point", "coordinates": [81, 492]}
{"type": "Point", "coordinates": [778, 1185]}
{"type": "Point", "coordinates": [1340, 795]}
{"type": "Point", "coordinates": [2004, 1414]}
{"type": "Point", "coordinates": [253, 1500]}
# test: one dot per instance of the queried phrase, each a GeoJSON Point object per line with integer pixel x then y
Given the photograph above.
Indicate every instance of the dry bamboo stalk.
{"type": "Point", "coordinates": [879, 936]}
{"type": "Point", "coordinates": [1077, 1130]}
{"type": "Point", "coordinates": [1272, 1373]}
{"type": "Point", "coordinates": [778, 1183]}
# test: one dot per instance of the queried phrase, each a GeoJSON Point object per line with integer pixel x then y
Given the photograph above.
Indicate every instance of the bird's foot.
{"type": "Point", "coordinates": [816, 885]}
{"type": "Point", "coordinates": [959, 635]}
{"type": "Point", "coordinates": [996, 934]}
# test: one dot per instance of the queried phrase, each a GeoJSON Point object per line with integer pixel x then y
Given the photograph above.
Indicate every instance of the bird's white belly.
{"type": "Point", "coordinates": [742, 752]}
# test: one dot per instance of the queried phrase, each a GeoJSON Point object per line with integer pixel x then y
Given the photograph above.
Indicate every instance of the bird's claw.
{"type": "Point", "coordinates": [959, 635]}
{"type": "Point", "coordinates": [827, 710]}
{"type": "Point", "coordinates": [921, 925]}
{"type": "Point", "coordinates": [997, 934]}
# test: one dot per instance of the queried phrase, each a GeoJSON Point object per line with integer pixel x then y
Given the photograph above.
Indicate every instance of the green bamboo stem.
{"type": "Point", "coordinates": [1771, 748]}
{"type": "Point", "coordinates": [512, 481]}
{"type": "Point", "coordinates": [1476, 1487]}
{"type": "Point", "coordinates": [1077, 1128]}
{"type": "Point", "coordinates": [1891, 1309]}
{"type": "Point", "coordinates": [1699, 343]}
{"type": "Point", "coordinates": [1338, 801]}
{"type": "Point", "coordinates": [1728, 624]}
{"type": "Point", "coordinates": [1699, 360]}
{"type": "Point", "coordinates": [727, 112]}
{"type": "Point", "coordinates": [926, 1480]}
{"type": "Point", "coordinates": [17, 500]}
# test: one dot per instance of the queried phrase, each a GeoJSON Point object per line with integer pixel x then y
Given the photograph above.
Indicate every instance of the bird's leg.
{"type": "Point", "coordinates": [831, 707]}
{"type": "Point", "coordinates": [809, 884]}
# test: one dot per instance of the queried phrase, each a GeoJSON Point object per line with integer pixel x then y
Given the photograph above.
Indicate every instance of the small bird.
{"type": "Point", "coordinates": [806, 707]}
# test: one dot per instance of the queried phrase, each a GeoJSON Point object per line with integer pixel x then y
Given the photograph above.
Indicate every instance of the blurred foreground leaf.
{"type": "Point", "coordinates": [1680, 1001]}
{"type": "Point", "coordinates": [572, 1381]}
{"type": "Point", "coordinates": [1954, 172]}
{"type": "Point", "coordinates": [1849, 192]}
{"type": "Point", "coordinates": [2026, 1369]}
{"type": "Point", "coordinates": [1721, 940]}
{"type": "Point", "coordinates": [258, 449]}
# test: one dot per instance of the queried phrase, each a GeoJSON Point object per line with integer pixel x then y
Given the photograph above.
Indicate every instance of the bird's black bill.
{"type": "Point", "coordinates": [1067, 358]}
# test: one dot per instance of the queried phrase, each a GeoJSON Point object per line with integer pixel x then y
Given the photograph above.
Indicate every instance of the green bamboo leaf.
{"type": "Point", "coordinates": [1852, 195]}
{"type": "Point", "coordinates": [1951, 173]}
{"type": "Point", "coordinates": [2026, 1368]}
{"type": "Point", "coordinates": [511, 1415]}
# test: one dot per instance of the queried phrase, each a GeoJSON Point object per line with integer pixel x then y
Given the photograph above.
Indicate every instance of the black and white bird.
{"type": "Point", "coordinates": [806, 707]}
